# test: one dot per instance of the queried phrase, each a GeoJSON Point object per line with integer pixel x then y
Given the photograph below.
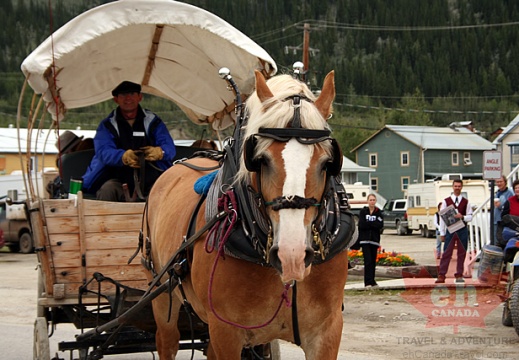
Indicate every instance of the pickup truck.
{"type": "Point", "coordinates": [17, 232]}
{"type": "Point", "coordinates": [395, 216]}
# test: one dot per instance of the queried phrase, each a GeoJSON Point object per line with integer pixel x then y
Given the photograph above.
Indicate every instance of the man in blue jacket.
{"type": "Point", "coordinates": [128, 131]}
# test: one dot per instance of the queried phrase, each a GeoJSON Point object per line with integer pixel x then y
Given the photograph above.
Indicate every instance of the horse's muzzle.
{"type": "Point", "coordinates": [276, 262]}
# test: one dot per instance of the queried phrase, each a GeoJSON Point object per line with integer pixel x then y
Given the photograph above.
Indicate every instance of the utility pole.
{"type": "Point", "coordinates": [306, 46]}
{"type": "Point", "coordinates": [306, 50]}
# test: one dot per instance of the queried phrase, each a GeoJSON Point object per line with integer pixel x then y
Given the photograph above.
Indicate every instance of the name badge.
{"type": "Point", "coordinates": [138, 133]}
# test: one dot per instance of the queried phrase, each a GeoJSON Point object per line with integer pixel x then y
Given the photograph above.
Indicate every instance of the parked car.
{"type": "Point", "coordinates": [395, 216]}
{"type": "Point", "coordinates": [16, 229]}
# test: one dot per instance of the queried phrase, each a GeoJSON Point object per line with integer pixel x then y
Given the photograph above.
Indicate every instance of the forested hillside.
{"type": "Point", "coordinates": [398, 62]}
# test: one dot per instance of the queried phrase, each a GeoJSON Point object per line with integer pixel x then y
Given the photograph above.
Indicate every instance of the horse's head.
{"type": "Point", "coordinates": [287, 156]}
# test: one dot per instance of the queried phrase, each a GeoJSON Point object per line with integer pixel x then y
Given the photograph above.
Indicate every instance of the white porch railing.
{"type": "Point", "coordinates": [479, 227]}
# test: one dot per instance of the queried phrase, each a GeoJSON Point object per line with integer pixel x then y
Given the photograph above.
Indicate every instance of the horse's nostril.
{"type": "Point", "coordinates": [274, 258]}
{"type": "Point", "coordinates": [309, 256]}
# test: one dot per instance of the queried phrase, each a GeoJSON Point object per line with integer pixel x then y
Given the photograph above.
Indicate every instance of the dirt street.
{"type": "Point", "coordinates": [378, 324]}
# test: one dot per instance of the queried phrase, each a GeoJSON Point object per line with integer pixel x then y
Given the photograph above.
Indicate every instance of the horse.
{"type": "Point", "coordinates": [286, 161]}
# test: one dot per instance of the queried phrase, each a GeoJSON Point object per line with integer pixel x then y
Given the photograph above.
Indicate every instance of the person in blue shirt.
{"type": "Point", "coordinates": [128, 131]}
{"type": "Point", "coordinates": [502, 194]}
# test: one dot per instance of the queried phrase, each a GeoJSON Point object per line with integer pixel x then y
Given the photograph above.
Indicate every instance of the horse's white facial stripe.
{"type": "Point", "coordinates": [296, 157]}
{"type": "Point", "coordinates": [292, 233]}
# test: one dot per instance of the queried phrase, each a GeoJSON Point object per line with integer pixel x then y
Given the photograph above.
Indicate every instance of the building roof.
{"type": "Point", "coordinates": [507, 130]}
{"type": "Point", "coordinates": [43, 140]}
{"type": "Point", "coordinates": [46, 140]}
{"type": "Point", "coordinates": [438, 138]}
{"type": "Point", "coordinates": [352, 167]}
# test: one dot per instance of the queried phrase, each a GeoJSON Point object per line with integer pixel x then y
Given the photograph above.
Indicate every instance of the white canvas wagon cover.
{"type": "Point", "coordinates": [173, 49]}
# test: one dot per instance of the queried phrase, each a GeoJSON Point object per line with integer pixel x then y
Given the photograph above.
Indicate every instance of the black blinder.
{"type": "Point", "coordinates": [334, 167]}
{"type": "Point", "coordinates": [253, 165]}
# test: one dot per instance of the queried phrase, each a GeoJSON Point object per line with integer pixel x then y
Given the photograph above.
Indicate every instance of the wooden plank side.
{"type": "Point", "coordinates": [107, 223]}
{"type": "Point", "coordinates": [64, 242]}
{"type": "Point", "coordinates": [121, 273]}
{"type": "Point", "coordinates": [65, 259]}
{"type": "Point", "coordinates": [95, 207]}
{"type": "Point", "coordinates": [112, 240]}
{"type": "Point", "coordinates": [59, 208]}
{"type": "Point", "coordinates": [63, 225]}
{"type": "Point", "coordinates": [114, 257]}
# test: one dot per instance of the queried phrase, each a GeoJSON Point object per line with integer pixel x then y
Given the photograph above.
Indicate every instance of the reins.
{"type": "Point", "coordinates": [229, 203]}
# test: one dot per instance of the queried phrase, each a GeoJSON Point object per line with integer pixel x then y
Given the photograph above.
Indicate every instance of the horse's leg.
{"type": "Point", "coordinates": [167, 335]}
{"type": "Point", "coordinates": [325, 344]}
{"type": "Point", "coordinates": [226, 343]}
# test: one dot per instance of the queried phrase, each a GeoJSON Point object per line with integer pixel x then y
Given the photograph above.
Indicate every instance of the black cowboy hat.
{"type": "Point", "coordinates": [126, 87]}
{"type": "Point", "coordinates": [68, 141]}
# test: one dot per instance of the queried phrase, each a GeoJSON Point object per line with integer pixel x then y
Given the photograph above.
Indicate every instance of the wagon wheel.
{"type": "Point", "coordinates": [41, 349]}
{"type": "Point", "coordinates": [275, 351]}
{"type": "Point", "coordinates": [40, 310]}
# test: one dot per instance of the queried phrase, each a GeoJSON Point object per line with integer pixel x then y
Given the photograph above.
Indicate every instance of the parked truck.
{"type": "Point", "coordinates": [358, 197]}
{"type": "Point", "coordinates": [423, 200]}
{"type": "Point", "coordinates": [395, 216]}
{"type": "Point", "coordinates": [15, 227]}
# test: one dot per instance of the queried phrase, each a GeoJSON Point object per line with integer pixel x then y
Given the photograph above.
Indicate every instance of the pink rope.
{"type": "Point", "coordinates": [210, 246]}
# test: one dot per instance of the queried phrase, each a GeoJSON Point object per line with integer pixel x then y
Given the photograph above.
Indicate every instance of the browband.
{"type": "Point", "coordinates": [304, 136]}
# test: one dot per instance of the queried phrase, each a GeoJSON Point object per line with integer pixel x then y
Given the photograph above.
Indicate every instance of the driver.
{"type": "Point", "coordinates": [126, 133]}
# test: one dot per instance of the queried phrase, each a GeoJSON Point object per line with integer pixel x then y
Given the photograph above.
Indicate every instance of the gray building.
{"type": "Point", "coordinates": [403, 154]}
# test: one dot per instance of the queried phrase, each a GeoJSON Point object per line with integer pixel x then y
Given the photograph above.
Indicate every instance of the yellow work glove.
{"type": "Point", "coordinates": [153, 153]}
{"type": "Point", "coordinates": [131, 159]}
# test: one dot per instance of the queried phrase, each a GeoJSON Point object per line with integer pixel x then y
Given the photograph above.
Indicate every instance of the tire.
{"type": "Point", "coordinates": [506, 318]}
{"type": "Point", "coordinates": [431, 233]}
{"type": "Point", "coordinates": [400, 230]}
{"type": "Point", "coordinates": [514, 305]}
{"type": "Point", "coordinates": [26, 245]}
{"type": "Point", "coordinates": [409, 231]}
{"type": "Point", "coordinates": [41, 349]}
{"type": "Point", "coordinates": [423, 231]}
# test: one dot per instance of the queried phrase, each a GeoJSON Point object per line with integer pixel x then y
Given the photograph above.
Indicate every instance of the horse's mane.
{"type": "Point", "coordinates": [278, 112]}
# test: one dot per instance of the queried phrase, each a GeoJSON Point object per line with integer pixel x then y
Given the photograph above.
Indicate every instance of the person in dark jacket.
{"type": "Point", "coordinates": [127, 131]}
{"type": "Point", "coordinates": [371, 221]}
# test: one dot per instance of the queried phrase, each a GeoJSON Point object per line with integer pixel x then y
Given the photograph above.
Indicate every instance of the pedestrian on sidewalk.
{"type": "Point", "coordinates": [503, 193]}
{"type": "Point", "coordinates": [371, 222]}
{"type": "Point", "coordinates": [462, 212]}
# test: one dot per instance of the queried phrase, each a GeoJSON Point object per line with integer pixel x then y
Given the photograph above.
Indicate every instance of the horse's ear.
{"type": "Point", "coordinates": [262, 90]}
{"type": "Point", "coordinates": [325, 100]}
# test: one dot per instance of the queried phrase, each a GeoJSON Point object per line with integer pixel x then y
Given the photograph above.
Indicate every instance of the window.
{"type": "Point", "coordinates": [404, 180]}
{"type": "Point", "coordinates": [374, 184]}
{"type": "Point", "coordinates": [455, 161]}
{"type": "Point", "coordinates": [514, 151]}
{"type": "Point", "coordinates": [404, 158]}
{"type": "Point", "coordinates": [373, 160]}
{"type": "Point", "coordinates": [418, 200]}
{"type": "Point", "coordinates": [410, 202]}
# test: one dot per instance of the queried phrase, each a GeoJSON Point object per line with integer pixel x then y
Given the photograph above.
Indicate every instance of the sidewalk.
{"type": "Point", "coordinates": [422, 275]}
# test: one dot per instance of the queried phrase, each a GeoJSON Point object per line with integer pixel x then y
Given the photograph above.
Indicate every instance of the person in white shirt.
{"type": "Point", "coordinates": [463, 213]}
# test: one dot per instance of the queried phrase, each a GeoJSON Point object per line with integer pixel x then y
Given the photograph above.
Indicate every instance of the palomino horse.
{"type": "Point", "coordinates": [286, 164]}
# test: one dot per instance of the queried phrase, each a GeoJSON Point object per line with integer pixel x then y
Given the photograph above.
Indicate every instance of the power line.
{"type": "Point", "coordinates": [428, 111]}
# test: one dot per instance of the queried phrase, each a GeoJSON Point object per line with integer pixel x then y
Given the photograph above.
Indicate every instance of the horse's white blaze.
{"type": "Point", "coordinates": [292, 233]}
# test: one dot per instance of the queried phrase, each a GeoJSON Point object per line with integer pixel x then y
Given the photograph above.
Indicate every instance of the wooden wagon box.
{"type": "Point", "coordinates": [76, 238]}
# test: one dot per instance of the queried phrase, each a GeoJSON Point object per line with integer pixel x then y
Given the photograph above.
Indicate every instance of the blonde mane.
{"type": "Point", "coordinates": [278, 112]}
